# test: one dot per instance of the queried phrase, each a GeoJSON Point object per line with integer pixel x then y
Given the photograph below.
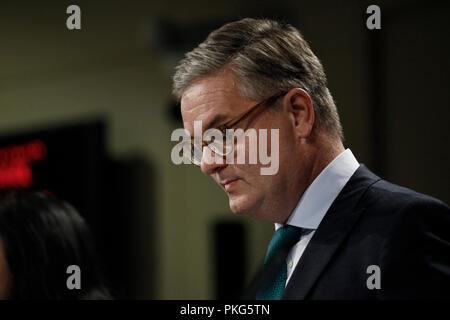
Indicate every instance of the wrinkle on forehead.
{"type": "Point", "coordinates": [201, 100]}
{"type": "Point", "coordinates": [222, 82]}
{"type": "Point", "coordinates": [199, 112]}
{"type": "Point", "coordinates": [207, 97]}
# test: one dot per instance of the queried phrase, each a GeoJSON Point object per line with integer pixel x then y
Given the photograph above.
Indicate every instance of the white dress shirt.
{"type": "Point", "coordinates": [315, 202]}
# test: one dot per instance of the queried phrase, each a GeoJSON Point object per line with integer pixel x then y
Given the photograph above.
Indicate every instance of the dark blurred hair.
{"type": "Point", "coordinates": [42, 236]}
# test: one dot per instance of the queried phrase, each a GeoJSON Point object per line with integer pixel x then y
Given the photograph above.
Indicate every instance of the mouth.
{"type": "Point", "coordinates": [229, 183]}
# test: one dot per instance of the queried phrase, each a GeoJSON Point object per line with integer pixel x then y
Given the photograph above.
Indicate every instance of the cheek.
{"type": "Point", "coordinates": [280, 137]}
{"type": "Point", "coordinates": [258, 150]}
{"type": "Point", "coordinates": [287, 142]}
{"type": "Point", "coordinates": [245, 147]}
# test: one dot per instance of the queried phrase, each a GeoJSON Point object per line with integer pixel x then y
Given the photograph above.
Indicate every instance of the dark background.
{"type": "Point", "coordinates": [99, 98]}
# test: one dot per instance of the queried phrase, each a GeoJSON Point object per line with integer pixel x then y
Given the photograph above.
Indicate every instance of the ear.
{"type": "Point", "coordinates": [299, 106]}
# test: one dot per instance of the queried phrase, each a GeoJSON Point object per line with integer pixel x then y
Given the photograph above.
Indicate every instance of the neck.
{"type": "Point", "coordinates": [320, 155]}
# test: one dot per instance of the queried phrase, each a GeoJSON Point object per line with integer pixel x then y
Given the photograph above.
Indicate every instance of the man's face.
{"type": "Point", "coordinates": [249, 192]}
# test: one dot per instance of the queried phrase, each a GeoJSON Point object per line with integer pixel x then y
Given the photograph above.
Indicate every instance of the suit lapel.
{"type": "Point", "coordinates": [334, 228]}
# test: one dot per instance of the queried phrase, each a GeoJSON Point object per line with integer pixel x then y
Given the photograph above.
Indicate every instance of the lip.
{"type": "Point", "coordinates": [228, 183]}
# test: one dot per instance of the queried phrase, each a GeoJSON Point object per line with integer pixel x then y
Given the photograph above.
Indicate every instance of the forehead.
{"type": "Point", "coordinates": [214, 96]}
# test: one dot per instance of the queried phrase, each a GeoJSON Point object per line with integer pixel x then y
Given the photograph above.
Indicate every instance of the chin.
{"type": "Point", "coordinates": [237, 205]}
{"type": "Point", "coordinates": [242, 204]}
{"type": "Point", "coordinates": [235, 208]}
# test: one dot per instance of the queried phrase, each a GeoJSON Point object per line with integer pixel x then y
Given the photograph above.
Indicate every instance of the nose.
{"type": "Point", "coordinates": [211, 162]}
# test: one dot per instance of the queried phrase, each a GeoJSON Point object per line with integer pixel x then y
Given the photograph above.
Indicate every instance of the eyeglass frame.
{"type": "Point", "coordinates": [229, 124]}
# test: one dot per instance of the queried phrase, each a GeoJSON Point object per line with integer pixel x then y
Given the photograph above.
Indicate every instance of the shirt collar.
{"type": "Point", "coordinates": [321, 193]}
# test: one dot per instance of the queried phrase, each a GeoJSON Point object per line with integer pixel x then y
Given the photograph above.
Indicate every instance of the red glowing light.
{"type": "Point", "coordinates": [15, 163]}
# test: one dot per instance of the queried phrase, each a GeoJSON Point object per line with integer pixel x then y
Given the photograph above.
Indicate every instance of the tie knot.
{"type": "Point", "coordinates": [283, 239]}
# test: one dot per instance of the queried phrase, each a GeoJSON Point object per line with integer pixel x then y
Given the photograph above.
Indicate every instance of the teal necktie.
{"type": "Point", "coordinates": [279, 247]}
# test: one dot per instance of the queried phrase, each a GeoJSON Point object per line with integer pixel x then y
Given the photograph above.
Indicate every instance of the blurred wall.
{"type": "Point", "coordinates": [111, 68]}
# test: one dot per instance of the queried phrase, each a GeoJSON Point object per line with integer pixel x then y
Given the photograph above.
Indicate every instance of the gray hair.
{"type": "Point", "coordinates": [268, 57]}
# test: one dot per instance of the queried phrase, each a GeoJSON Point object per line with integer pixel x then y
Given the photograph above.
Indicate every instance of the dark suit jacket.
{"type": "Point", "coordinates": [374, 222]}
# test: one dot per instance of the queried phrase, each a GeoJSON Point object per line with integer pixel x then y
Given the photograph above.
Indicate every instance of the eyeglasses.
{"type": "Point", "coordinates": [226, 145]}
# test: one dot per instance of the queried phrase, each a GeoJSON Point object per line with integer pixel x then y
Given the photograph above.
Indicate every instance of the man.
{"type": "Point", "coordinates": [341, 231]}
